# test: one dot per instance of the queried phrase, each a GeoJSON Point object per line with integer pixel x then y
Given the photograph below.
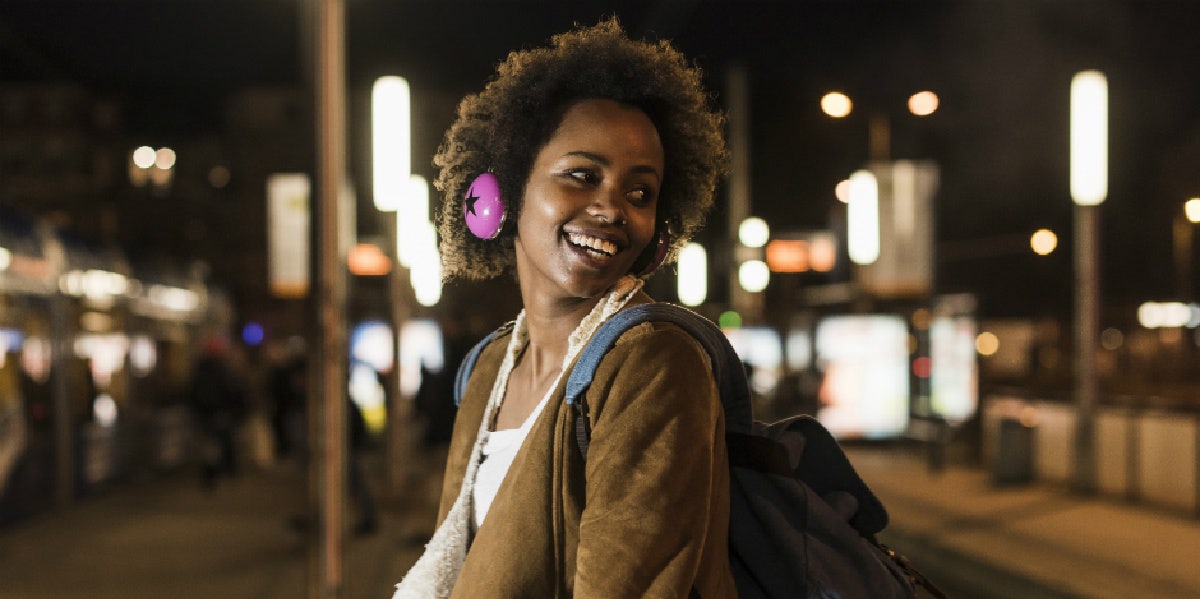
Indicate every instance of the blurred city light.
{"type": "Point", "coordinates": [175, 299]}
{"type": "Point", "coordinates": [754, 276]}
{"type": "Point", "coordinates": [144, 157]}
{"type": "Point", "coordinates": [412, 221]}
{"type": "Point", "coordinates": [842, 191]}
{"type": "Point", "coordinates": [252, 334]}
{"type": "Point", "coordinates": [218, 176]}
{"type": "Point", "coordinates": [93, 284]}
{"type": "Point", "coordinates": [729, 319]}
{"type": "Point", "coordinates": [425, 272]}
{"type": "Point", "coordinates": [987, 343]}
{"type": "Point", "coordinates": [391, 150]}
{"type": "Point", "coordinates": [1043, 242]}
{"type": "Point", "coordinates": [164, 159]}
{"type": "Point", "coordinates": [367, 260]}
{"type": "Point", "coordinates": [143, 355]}
{"type": "Point", "coordinates": [1111, 339]}
{"type": "Point", "coordinates": [104, 410]}
{"type": "Point", "coordinates": [1157, 315]}
{"type": "Point", "coordinates": [693, 275]}
{"type": "Point", "coordinates": [1191, 209]}
{"type": "Point", "coordinates": [836, 104]}
{"type": "Point", "coordinates": [863, 218]}
{"type": "Point", "coordinates": [923, 103]}
{"type": "Point", "coordinates": [754, 232]}
{"type": "Point", "coordinates": [1089, 138]}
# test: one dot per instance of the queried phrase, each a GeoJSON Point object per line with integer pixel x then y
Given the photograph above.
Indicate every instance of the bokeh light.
{"type": "Point", "coordinates": [987, 343]}
{"type": "Point", "coordinates": [754, 275]}
{"type": "Point", "coordinates": [754, 232]}
{"type": "Point", "coordinates": [1191, 209]}
{"type": "Point", "coordinates": [836, 104]}
{"type": "Point", "coordinates": [923, 103]}
{"type": "Point", "coordinates": [1043, 242]}
{"type": "Point", "coordinates": [143, 157]}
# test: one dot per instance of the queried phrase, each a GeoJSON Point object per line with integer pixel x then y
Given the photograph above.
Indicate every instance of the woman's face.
{"type": "Point", "coordinates": [590, 201]}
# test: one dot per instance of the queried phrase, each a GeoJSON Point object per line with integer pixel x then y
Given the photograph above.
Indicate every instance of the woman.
{"type": "Point", "coordinates": [605, 153]}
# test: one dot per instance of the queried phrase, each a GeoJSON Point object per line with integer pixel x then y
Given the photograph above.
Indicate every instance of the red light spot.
{"type": "Point", "coordinates": [922, 366]}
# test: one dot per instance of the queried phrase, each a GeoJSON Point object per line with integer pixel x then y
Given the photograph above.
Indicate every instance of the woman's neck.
{"type": "Point", "coordinates": [549, 326]}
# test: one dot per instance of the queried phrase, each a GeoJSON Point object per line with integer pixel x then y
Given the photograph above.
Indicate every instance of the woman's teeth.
{"type": "Point", "coordinates": [594, 244]}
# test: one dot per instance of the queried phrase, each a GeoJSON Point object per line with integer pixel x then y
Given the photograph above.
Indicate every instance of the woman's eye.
{"type": "Point", "coordinates": [583, 176]}
{"type": "Point", "coordinates": [640, 195]}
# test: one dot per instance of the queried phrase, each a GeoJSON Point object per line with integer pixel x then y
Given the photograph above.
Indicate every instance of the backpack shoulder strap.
{"type": "Point", "coordinates": [726, 365]}
{"type": "Point", "coordinates": [463, 374]}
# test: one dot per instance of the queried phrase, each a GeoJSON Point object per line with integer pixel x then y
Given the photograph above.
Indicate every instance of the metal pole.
{"type": "Point", "coordinates": [737, 89]}
{"type": "Point", "coordinates": [1182, 229]}
{"type": "Point", "coordinates": [330, 456]}
{"type": "Point", "coordinates": [398, 444]}
{"type": "Point", "coordinates": [1087, 301]}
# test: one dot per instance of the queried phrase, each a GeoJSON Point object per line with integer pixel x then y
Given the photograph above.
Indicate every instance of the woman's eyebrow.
{"type": "Point", "coordinates": [597, 158]}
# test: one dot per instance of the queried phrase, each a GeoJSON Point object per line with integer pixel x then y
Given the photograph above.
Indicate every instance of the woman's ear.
{"type": "Point", "coordinates": [653, 255]}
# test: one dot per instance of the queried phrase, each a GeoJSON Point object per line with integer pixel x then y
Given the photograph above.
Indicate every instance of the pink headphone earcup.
{"type": "Point", "coordinates": [662, 244]}
{"type": "Point", "coordinates": [483, 208]}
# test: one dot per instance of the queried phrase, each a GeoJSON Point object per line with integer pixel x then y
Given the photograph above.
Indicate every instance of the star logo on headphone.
{"type": "Point", "coordinates": [470, 201]}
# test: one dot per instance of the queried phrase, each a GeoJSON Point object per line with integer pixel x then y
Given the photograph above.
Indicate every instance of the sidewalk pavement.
{"type": "Point", "coordinates": [979, 541]}
{"type": "Point", "coordinates": [166, 537]}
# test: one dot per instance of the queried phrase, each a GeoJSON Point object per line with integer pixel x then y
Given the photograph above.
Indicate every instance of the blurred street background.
{"type": "Point", "coordinates": [961, 233]}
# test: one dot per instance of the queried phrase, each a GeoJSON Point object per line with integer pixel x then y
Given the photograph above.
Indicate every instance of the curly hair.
{"type": "Point", "coordinates": [502, 128]}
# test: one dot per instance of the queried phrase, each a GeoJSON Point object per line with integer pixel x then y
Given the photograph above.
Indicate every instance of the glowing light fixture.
{"type": "Point", "coordinates": [1191, 209]}
{"type": "Point", "coordinates": [164, 159]}
{"type": "Point", "coordinates": [987, 343]}
{"type": "Point", "coordinates": [842, 191]}
{"type": "Point", "coordinates": [923, 103]}
{"type": "Point", "coordinates": [391, 151]}
{"type": "Point", "coordinates": [1089, 138]}
{"type": "Point", "coordinates": [754, 275]}
{"type": "Point", "coordinates": [426, 270]}
{"type": "Point", "coordinates": [144, 157]}
{"type": "Point", "coordinates": [836, 104]}
{"type": "Point", "coordinates": [863, 218]}
{"type": "Point", "coordinates": [367, 260]}
{"type": "Point", "coordinates": [1043, 242]}
{"type": "Point", "coordinates": [5, 258]}
{"type": "Point", "coordinates": [754, 232]}
{"type": "Point", "coordinates": [412, 223]}
{"type": "Point", "coordinates": [693, 275]}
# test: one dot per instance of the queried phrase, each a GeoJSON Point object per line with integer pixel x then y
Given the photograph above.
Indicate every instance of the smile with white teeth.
{"type": "Point", "coordinates": [593, 244]}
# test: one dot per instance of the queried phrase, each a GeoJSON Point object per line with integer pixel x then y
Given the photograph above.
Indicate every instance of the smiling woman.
{"type": "Point", "coordinates": [605, 154]}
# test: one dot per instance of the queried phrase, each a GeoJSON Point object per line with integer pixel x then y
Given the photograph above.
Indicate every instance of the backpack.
{"type": "Point", "coordinates": [802, 523]}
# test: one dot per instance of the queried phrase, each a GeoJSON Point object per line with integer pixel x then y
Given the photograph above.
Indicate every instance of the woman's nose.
{"type": "Point", "coordinates": [608, 205]}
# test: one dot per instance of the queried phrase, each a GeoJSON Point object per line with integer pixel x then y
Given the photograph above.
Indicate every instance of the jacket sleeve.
{"type": "Point", "coordinates": [657, 440]}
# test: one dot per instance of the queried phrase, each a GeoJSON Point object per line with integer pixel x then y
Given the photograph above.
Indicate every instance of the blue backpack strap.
{"type": "Point", "coordinates": [468, 364]}
{"type": "Point", "coordinates": [726, 365]}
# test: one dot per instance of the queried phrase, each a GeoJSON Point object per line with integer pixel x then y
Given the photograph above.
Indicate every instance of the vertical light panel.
{"type": "Point", "coordinates": [863, 218]}
{"type": "Point", "coordinates": [391, 150]}
{"type": "Point", "coordinates": [693, 275]}
{"type": "Point", "coordinates": [287, 233]}
{"type": "Point", "coordinates": [1089, 138]}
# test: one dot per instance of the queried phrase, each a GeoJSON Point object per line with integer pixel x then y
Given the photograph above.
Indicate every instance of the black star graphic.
{"type": "Point", "coordinates": [470, 201]}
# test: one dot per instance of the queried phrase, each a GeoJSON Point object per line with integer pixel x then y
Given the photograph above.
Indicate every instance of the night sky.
{"type": "Point", "coordinates": [1002, 69]}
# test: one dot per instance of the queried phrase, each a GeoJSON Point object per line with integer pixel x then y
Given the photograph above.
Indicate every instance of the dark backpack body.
{"type": "Point", "coordinates": [802, 523]}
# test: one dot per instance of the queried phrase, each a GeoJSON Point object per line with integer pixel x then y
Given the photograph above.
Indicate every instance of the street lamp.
{"type": "Point", "coordinates": [838, 105]}
{"type": "Point", "coordinates": [1089, 188]}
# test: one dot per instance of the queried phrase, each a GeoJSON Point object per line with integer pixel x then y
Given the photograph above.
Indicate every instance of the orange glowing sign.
{"type": "Point", "coordinates": [815, 252]}
{"type": "Point", "coordinates": [367, 260]}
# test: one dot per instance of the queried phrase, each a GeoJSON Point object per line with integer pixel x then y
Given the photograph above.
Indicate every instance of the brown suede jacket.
{"type": "Point", "coordinates": [656, 481]}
